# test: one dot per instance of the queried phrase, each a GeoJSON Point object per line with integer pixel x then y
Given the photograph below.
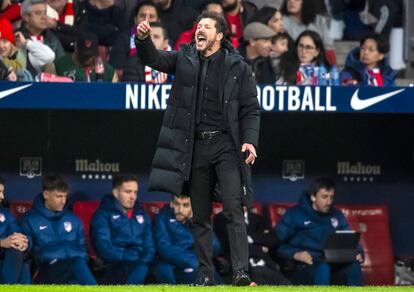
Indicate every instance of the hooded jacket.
{"type": "Point", "coordinates": [53, 235]}
{"type": "Point", "coordinates": [303, 229]}
{"type": "Point", "coordinates": [171, 166]}
{"type": "Point", "coordinates": [8, 224]}
{"type": "Point", "coordinates": [174, 240]}
{"type": "Point", "coordinates": [354, 69]}
{"type": "Point", "coordinates": [117, 238]}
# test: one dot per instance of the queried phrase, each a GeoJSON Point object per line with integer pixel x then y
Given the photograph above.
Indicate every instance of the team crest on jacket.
{"type": "Point", "coordinates": [2, 218]}
{"type": "Point", "coordinates": [334, 222]}
{"type": "Point", "coordinates": [68, 226]}
{"type": "Point", "coordinates": [140, 219]}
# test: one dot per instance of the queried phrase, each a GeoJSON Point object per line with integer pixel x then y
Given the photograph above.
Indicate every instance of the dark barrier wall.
{"type": "Point", "coordinates": [362, 137]}
{"type": "Point", "coordinates": [369, 155]}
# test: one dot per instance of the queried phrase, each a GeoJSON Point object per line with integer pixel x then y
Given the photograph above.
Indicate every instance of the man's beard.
{"type": "Point", "coordinates": [230, 7]}
{"type": "Point", "coordinates": [209, 45]}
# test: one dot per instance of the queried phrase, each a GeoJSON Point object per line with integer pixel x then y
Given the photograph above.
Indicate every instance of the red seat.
{"type": "Point", "coordinates": [152, 208]}
{"type": "Point", "coordinates": [276, 211]}
{"type": "Point", "coordinates": [372, 222]}
{"type": "Point", "coordinates": [85, 211]}
{"type": "Point", "coordinates": [19, 208]}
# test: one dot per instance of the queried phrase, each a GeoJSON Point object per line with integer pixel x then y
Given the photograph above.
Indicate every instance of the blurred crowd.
{"type": "Point", "coordinates": [285, 41]}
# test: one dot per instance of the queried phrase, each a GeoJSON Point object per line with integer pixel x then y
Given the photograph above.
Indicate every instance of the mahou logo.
{"type": "Point", "coordinates": [96, 169]}
{"type": "Point", "coordinates": [358, 172]}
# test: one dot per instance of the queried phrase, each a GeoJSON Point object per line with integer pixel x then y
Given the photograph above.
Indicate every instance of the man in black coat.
{"type": "Point", "coordinates": [209, 134]}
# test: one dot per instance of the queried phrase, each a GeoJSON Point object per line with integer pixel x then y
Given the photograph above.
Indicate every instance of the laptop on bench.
{"type": "Point", "coordinates": [341, 247]}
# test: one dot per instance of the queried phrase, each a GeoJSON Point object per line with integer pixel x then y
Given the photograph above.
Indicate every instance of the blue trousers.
{"type": "Point", "coordinates": [130, 273]}
{"type": "Point", "coordinates": [168, 274]}
{"type": "Point", "coordinates": [68, 271]}
{"type": "Point", "coordinates": [13, 269]}
{"type": "Point", "coordinates": [322, 273]}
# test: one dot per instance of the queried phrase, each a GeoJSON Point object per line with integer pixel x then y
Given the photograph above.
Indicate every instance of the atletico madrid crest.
{"type": "Point", "coordinates": [68, 226]}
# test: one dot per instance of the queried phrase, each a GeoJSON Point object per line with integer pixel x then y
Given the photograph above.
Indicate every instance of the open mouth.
{"type": "Point", "coordinates": [201, 40]}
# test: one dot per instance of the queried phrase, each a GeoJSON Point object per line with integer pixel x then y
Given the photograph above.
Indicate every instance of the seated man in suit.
{"type": "Point", "coordinates": [121, 233]}
{"type": "Point", "coordinates": [303, 230]}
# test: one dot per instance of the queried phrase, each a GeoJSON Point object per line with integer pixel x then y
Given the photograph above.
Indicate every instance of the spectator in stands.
{"type": "Point", "coordinates": [238, 14]}
{"type": "Point", "coordinates": [39, 45]}
{"type": "Point", "coordinates": [121, 233]}
{"type": "Point", "coordinates": [178, 263]}
{"type": "Point", "coordinates": [10, 55]}
{"type": "Point", "coordinates": [10, 10]}
{"type": "Point", "coordinates": [270, 16]}
{"type": "Point", "coordinates": [301, 15]}
{"type": "Point", "coordinates": [70, 21]}
{"type": "Point", "coordinates": [13, 243]}
{"type": "Point", "coordinates": [262, 268]}
{"type": "Point", "coordinates": [256, 48]}
{"type": "Point", "coordinates": [56, 236]}
{"type": "Point", "coordinates": [137, 71]}
{"type": "Point", "coordinates": [368, 65]}
{"type": "Point", "coordinates": [107, 21]}
{"type": "Point", "coordinates": [123, 54]}
{"type": "Point", "coordinates": [303, 230]}
{"type": "Point", "coordinates": [176, 17]}
{"type": "Point", "coordinates": [282, 44]}
{"type": "Point", "coordinates": [84, 64]}
{"type": "Point", "coordinates": [298, 67]}
{"type": "Point", "coordinates": [379, 16]}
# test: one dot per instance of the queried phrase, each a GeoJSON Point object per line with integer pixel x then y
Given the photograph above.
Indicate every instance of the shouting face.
{"type": "Point", "coordinates": [207, 39]}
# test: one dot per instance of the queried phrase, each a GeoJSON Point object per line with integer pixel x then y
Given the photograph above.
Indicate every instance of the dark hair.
{"type": "Point", "coordinates": [289, 62]}
{"type": "Point", "coordinates": [221, 23]}
{"type": "Point", "coordinates": [316, 38]}
{"type": "Point", "coordinates": [2, 181]}
{"type": "Point", "coordinates": [54, 182]}
{"type": "Point", "coordinates": [119, 179]}
{"type": "Point", "coordinates": [160, 25]}
{"type": "Point", "coordinates": [284, 36]}
{"type": "Point", "coordinates": [310, 8]}
{"type": "Point", "coordinates": [320, 183]}
{"type": "Point", "coordinates": [146, 3]}
{"type": "Point", "coordinates": [264, 15]}
{"type": "Point", "coordinates": [204, 4]}
{"type": "Point", "coordinates": [180, 196]}
{"type": "Point", "coordinates": [383, 44]}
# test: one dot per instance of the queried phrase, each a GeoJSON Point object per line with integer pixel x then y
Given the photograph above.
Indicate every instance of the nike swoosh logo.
{"type": "Point", "coordinates": [42, 227]}
{"type": "Point", "coordinates": [7, 92]}
{"type": "Point", "coordinates": [307, 222]}
{"type": "Point", "coordinates": [360, 104]}
{"type": "Point", "coordinates": [116, 216]}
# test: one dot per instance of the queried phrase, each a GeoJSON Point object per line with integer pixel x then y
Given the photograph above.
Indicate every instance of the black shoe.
{"type": "Point", "coordinates": [241, 278]}
{"type": "Point", "coordinates": [205, 281]}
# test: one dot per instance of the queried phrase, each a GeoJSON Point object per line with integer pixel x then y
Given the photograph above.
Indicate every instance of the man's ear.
{"type": "Point", "coordinates": [115, 193]}
{"type": "Point", "coordinates": [312, 197]}
{"type": "Point", "coordinates": [220, 36]}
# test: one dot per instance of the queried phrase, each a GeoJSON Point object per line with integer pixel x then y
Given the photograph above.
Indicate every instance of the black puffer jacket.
{"type": "Point", "coordinates": [172, 161]}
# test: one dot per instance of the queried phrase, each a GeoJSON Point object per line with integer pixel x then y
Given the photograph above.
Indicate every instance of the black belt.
{"type": "Point", "coordinates": [207, 135]}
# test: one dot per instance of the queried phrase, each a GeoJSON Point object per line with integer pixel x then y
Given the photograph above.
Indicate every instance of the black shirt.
{"type": "Point", "coordinates": [209, 110]}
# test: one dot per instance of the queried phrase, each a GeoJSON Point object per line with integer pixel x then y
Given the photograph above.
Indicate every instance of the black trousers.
{"type": "Point", "coordinates": [215, 159]}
